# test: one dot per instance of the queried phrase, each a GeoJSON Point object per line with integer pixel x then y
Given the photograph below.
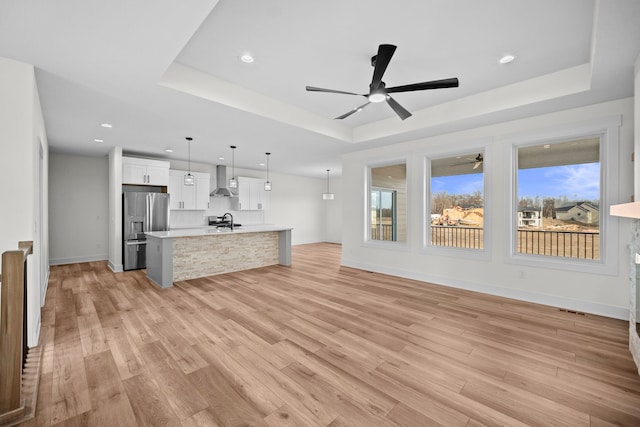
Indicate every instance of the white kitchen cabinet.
{"type": "Point", "coordinates": [188, 197]}
{"type": "Point", "coordinates": [203, 189]}
{"type": "Point", "coordinates": [145, 171]}
{"type": "Point", "coordinates": [251, 195]}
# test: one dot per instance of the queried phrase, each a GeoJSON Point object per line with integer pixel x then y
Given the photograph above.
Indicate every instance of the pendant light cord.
{"type": "Point", "coordinates": [268, 154]}
{"type": "Point", "coordinates": [233, 162]}
{"type": "Point", "coordinates": [189, 153]}
{"type": "Point", "coordinates": [328, 181]}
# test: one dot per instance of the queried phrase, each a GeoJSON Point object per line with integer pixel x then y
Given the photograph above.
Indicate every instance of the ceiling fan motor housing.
{"type": "Point", "coordinates": [378, 91]}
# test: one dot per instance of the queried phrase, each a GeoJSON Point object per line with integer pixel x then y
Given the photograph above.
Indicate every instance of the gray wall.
{"type": "Point", "coordinates": [78, 208]}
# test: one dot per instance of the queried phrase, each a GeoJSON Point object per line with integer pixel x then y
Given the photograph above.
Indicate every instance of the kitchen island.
{"type": "Point", "coordinates": [185, 254]}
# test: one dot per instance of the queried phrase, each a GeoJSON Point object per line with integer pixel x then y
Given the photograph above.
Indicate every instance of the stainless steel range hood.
{"type": "Point", "coordinates": [221, 182]}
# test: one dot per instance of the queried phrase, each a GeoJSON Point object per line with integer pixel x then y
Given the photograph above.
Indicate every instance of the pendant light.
{"type": "Point", "coordinates": [188, 178]}
{"type": "Point", "coordinates": [267, 185]}
{"type": "Point", "coordinates": [232, 182]}
{"type": "Point", "coordinates": [328, 195]}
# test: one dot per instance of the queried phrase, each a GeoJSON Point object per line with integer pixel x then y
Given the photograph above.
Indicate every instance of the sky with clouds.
{"type": "Point", "coordinates": [576, 182]}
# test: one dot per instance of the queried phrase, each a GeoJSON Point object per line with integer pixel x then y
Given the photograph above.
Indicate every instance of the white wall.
{"type": "Point", "coordinates": [40, 272]}
{"type": "Point", "coordinates": [636, 173]}
{"type": "Point", "coordinates": [333, 212]}
{"type": "Point", "coordinates": [294, 201]}
{"type": "Point", "coordinates": [115, 209]}
{"type": "Point", "coordinates": [78, 203]}
{"type": "Point", "coordinates": [21, 134]}
{"type": "Point", "coordinates": [595, 293]}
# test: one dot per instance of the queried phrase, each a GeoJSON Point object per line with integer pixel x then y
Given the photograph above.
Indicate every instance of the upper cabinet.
{"type": "Point", "coordinates": [188, 197]}
{"type": "Point", "coordinates": [145, 171]}
{"type": "Point", "coordinates": [251, 195]}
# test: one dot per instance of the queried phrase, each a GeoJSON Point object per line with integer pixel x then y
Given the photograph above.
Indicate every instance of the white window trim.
{"type": "Point", "coordinates": [475, 254]}
{"type": "Point", "coordinates": [608, 129]}
{"type": "Point", "coordinates": [386, 244]}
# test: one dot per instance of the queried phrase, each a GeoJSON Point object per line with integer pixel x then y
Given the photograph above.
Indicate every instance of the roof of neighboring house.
{"type": "Point", "coordinates": [585, 206]}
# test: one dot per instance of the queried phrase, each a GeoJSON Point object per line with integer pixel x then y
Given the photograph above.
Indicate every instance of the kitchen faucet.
{"type": "Point", "coordinates": [230, 216]}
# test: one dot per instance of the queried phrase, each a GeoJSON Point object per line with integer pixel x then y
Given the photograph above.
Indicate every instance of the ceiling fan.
{"type": "Point", "coordinates": [475, 162]}
{"type": "Point", "coordinates": [378, 91]}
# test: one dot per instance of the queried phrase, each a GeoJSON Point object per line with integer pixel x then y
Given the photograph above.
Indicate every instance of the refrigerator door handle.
{"type": "Point", "coordinates": [148, 226]}
{"type": "Point", "coordinates": [135, 242]}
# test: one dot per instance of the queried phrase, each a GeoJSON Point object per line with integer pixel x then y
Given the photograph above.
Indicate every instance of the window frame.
{"type": "Point", "coordinates": [468, 253]}
{"type": "Point", "coordinates": [608, 130]}
{"type": "Point", "coordinates": [386, 244]}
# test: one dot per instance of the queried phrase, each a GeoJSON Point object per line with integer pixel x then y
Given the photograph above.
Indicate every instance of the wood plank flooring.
{"type": "Point", "coordinates": [317, 344]}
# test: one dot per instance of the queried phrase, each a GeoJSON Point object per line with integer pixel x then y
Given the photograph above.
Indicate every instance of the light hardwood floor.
{"type": "Point", "coordinates": [317, 344]}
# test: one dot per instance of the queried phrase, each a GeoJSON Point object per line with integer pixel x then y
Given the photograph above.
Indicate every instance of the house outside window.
{"type": "Point", "coordinates": [530, 217]}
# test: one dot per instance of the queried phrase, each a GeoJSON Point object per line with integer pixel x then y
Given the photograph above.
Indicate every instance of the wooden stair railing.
{"type": "Point", "coordinates": [12, 328]}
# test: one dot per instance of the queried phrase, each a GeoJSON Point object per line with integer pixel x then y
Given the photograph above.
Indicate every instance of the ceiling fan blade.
{"type": "Point", "coordinates": [435, 84]}
{"type": "Point", "coordinates": [399, 109]}
{"type": "Point", "coordinates": [355, 110]}
{"type": "Point", "coordinates": [385, 52]}
{"type": "Point", "coordinates": [475, 166]}
{"type": "Point", "coordinates": [319, 89]}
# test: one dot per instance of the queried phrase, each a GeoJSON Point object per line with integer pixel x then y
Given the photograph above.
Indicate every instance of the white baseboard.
{"type": "Point", "coordinates": [44, 289]}
{"type": "Point", "coordinates": [337, 242]}
{"type": "Point", "coordinates": [116, 268]}
{"type": "Point", "coordinates": [615, 312]}
{"type": "Point", "coordinates": [34, 339]}
{"type": "Point", "coordinates": [77, 260]}
{"type": "Point", "coordinates": [634, 345]}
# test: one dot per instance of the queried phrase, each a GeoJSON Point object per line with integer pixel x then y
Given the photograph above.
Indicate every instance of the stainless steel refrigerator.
{"type": "Point", "coordinates": [142, 212]}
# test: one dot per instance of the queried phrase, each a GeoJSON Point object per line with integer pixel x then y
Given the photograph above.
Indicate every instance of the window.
{"type": "Point", "coordinates": [559, 198]}
{"type": "Point", "coordinates": [456, 203]}
{"type": "Point", "coordinates": [384, 214]}
{"type": "Point", "coordinates": [388, 203]}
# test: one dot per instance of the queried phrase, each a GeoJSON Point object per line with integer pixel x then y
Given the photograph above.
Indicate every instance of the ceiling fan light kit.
{"type": "Point", "coordinates": [378, 92]}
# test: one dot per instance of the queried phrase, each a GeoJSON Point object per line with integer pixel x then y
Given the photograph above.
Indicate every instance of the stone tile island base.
{"type": "Point", "coordinates": [174, 258]}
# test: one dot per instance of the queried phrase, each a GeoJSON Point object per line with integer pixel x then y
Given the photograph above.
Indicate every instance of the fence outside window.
{"type": "Point", "coordinates": [568, 244]}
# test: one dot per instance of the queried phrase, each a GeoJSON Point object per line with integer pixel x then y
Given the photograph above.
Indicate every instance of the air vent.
{"type": "Point", "coordinates": [573, 312]}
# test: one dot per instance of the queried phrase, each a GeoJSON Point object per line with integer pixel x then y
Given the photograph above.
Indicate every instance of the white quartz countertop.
{"type": "Point", "coordinates": [212, 230]}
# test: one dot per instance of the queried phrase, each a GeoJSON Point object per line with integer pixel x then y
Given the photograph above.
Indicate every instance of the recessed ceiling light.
{"type": "Point", "coordinates": [261, 164]}
{"type": "Point", "coordinates": [546, 146]}
{"type": "Point", "coordinates": [220, 158]}
{"type": "Point", "coordinates": [247, 58]}
{"type": "Point", "coordinates": [168, 150]}
{"type": "Point", "coordinates": [98, 140]}
{"type": "Point", "coordinates": [506, 59]}
{"type": "Point", "coordinates": [106, 125]}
